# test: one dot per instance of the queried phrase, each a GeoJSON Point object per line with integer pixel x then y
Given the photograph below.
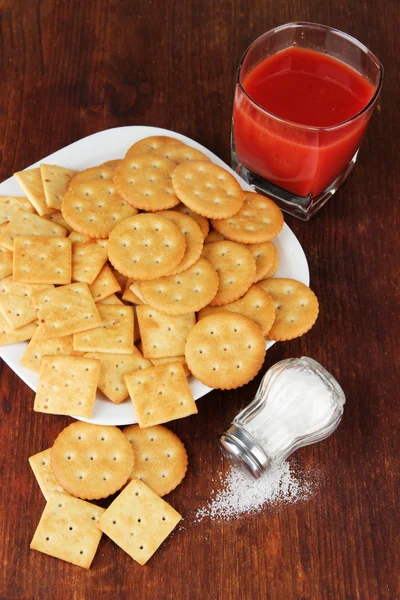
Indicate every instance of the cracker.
{"type": "Point", "coordinates": [225, 350]}
{"type": "Point", "coordinates": [255, 304]}
{"type": "Point", "coordinates": [39, 346]}
{"type": "Point", "coordinates": [266, 257]}
{"type": "Point", "coordinates": [160, 457]}
{"type": "Point", "coordinates": [25, 223]}
{"type": "Point", "coordinates": [11, 336]}
{"type": "Point", "coordinates": [91, 461]}
{"type": "Point", "coordinates": [40, 465]}
{"type": "Point", "coordinates": [99, 173]}
{"type": "Point", "coordinates": [150, 144]}
{"type": "Point", "coordinates": [130, 295]}
{"type": "Point", "coordinates": [104, 285]}
{"type": "Point", "coordinates": [111, 163]}
{"type": "Point", "coordinates": [31, 182]}
{"type": "Point", "coordinates": [75, 236]}
{"type": "Point", "coordinates": [17, 311]}
{"type": "Point", "coordinates": [138, 521]}
{"type": "Point", "coordinates": [112, 371]}
{"type": "Point", "coordinates": [144, 180]}
{"type": "Point", "coordinates": [275, 264]}
{"type": "Point", "coordinates": [207, 189]}
{"type": "Point", "coordinates": [6, 262]}
{"type": "Point", "coordinates": [160, 394]}
{"type": "Point", "coordinates": [68, 530]}
{"type": "Point", "coordinates": [184, 293]}
{"type": "Point", "coordinates": [114, 335]}
{"type": "Point", "coordinates": [163, 335]}
{"type": "Point", "coordinates": [55, 182]}
{"type": "Point", "coordinates": [9, 205]}
{"type": "Point", "coordinates": [42, 259]}
{"type": "Point", "coordinates": [122, 279]}
{"type": "Point", "coordinates": [94, 207]}
{"type": "Point", "coordinates": [113, 299]}
{"type": "Point", "coordinates": [179, 152]}
{"type": "Point", "coordinates": [259, 220]}
{"type": "Point", "coordinates": [193, 238]}
{"type": "Point", "coordinates": [66, 309]}
{"type": "Point", "coordinates": [67, 386]}
{"type": "Point", "coordinates": [201, 221]}
{"type": "Point", "coordinates": [213, 236]}
{"type": "Point", "coordinates": [88, 259]}
{"type": "Point", "coordinates": [146, 246]}
{"type": "Point", "coordinates": [236, 270]}
{"type": "Point", "coordinates": [169, 359]}
{"type": "Point", "coordinates": [59, 219]}
{"type": "Point", "coordinates": [296, 308]}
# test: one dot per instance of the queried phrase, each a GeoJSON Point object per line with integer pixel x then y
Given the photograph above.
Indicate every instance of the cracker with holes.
{"type": "Point", "coordinates": [255, 304]}
{"type": "Point", "coordinates": [225, 350]}
{"type": "Point", "coordinates": [100, 173]}
{"type": "Point", "coordinates": [40, 465]}
{"type": "Point", "coordinates": [67, 385]}
{"type": "Point", "coordinates": [111, 163]}
{"type": "Point", "coordinates": [94, 207]}
{"type": "Point", "coordinates": [144, 181]}
{"type": "Point", "coordinates": [114, 335]}
{"type": "Point", "coordinates": [66, 309]}
{"type": "Point", "coordinates": [57, 217]}
{"type": "Point", "coordinates": [87, 261]}
{"type": "Point", "coordinates": [113, 299]}
{"type": "Point", "coordinates": [160, 394]}
{"type": "Point", "coordinates": [113, 369]}
{"type": "Point", "coordinates": [296, 308]}
{"type": "Point", "coordinates": [160, 457]}
{"type": "Point", "coordinates": [16, 310]}
{"type": "Point", "coordinates": [6, 262]}
{"type": "Point", "coordinates": [179, 152]}
{"type": "Point", "coordinates": [236, 270]}
{"type": "Point", "coordinates": [193, 238]}
{"type": "Point", "coordinates": [151, 143]}
{"type": "Point", "coordinates": [201, 221]}
{"type": "Point", "coordinates": [68, 530]}
{"type": "Point", "coordinates": [267, 259]}
{"type": "Point", "coordinates": [25, 223]}
{"type": "Point", "coordinates": [55, 182]}
{"type": "Point", "coordinates": [184, 293]}
{"type": "Point", "coordinates": [39, 346]}
{"type": "Point", "coordinates": [146, 246]}
{"type": "Point", "coordinates": [163, 335]}
{"type": "Point", "coordinates": [213, 236]}
{"type": "Point", "coordinates": [258, 220]}
{"type": "Point", "coordinates": [139, 521]}
{"type": "Point", "coordinates": [42, 259]}
{"type": "Point", "coordinates": [31, 182]}
{"type": "Point", "coordinates": [75, 236]}
{"type": "Point", "coordinates": [91, 461]}
{"type": "Point", "coordinates": [207, 189]}
{"type": "Point", "coordinates": [169, 359]}
{"type": "Point", "coordinates": [11, 336]}
{"type": "Point", "coordinates": [105, 284]}
{"type": "Point", "coordinates": [131, 292]}
{"type": "Point", "coordinates": [9, 205]}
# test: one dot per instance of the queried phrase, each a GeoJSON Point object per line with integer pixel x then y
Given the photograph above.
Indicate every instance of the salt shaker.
{"type": "Point", "coordinates": [298, 403]}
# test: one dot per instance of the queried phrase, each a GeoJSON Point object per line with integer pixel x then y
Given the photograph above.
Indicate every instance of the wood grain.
{"type": "Point", "coordinates": [71, 68]}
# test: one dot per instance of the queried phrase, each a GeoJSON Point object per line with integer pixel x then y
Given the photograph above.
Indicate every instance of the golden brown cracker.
{"type": "Point", "coordinates": [163, 335]}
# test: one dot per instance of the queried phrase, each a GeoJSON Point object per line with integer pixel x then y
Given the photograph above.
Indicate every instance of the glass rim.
{"type": "Point", "coordinates": [342, 34]}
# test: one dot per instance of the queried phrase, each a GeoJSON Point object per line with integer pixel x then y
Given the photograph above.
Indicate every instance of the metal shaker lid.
{"type": "Point", "coordinates": [241, 449]}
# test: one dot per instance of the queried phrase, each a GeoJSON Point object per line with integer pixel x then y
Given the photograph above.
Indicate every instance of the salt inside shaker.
{"type": "Point", "coordinates": [298, 403]}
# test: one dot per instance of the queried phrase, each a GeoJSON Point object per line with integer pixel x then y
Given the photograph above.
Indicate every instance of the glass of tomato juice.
{"type": "Point", "coordinates": [304, 96]}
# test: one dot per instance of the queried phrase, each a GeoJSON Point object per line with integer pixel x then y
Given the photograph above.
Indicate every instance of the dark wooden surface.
{"type": "Point", "coordinates": [70, 68]}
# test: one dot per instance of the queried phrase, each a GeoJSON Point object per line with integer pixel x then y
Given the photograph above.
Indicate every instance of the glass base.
{"type": "Point", "coordinates": [302, 207]}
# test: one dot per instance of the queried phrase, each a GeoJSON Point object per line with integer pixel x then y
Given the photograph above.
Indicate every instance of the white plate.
{"type": "Point", "coordinates": [98, 148]}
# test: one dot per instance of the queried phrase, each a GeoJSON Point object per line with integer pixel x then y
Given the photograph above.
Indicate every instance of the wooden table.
{"type": "Point", "coordinates": [72, 68]}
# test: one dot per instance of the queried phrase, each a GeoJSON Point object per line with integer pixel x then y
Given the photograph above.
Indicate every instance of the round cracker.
{"type": "Point", "coordinates": [160, 457]}
{"type": "Point", "coordinates": [266, 257]}
{"type": "Point", "coordinates": [193, 238]}
{"type": "Point", "coordinates": [213, 236]}
{"type": "Point", "coordinates": [101, 172]}
{"type": "Point", "coordinates": [296, 308]}
{"type": "Point", "coordinates": [180, 152]}
{"type": "Point", "coordinates": [225, 350]}
{"type": "Point", "coordinates": [144, 181]}
{"type": "Point", "coordinates": [183, 293]}
{"type": "Point", "coordinates": [207, 189]}
{"type": "Point", "coordinates": [201, 221]}
{"type": "Point", "coordinates": [236, 269]}
{"type": "Point", "coordinates": [258, 220]}
{"type": "Point", "coordinates": [275, 264]}
{"type": "Point", "coordinates": [91, 461]}
{"type": "Point", "coordinates": [146, 246]}
{"type": "Point", "coordinates": [114, 162]}
{"type": "Point", "coordinates": [150, 144]}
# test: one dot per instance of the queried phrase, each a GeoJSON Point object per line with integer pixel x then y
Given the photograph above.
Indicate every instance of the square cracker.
{"type": "Point", "coordinates": [139, 521]}
{"type": "Point", "coordinates": [17, 311]}
{"type": "Point", "coordinates": [55, 182]}
{"type": "Point", "coordinates": [113, 299]}
{"type": "Point", "coordinates": [104, 285]}
{"type": "Point", "coordinates": [67, 386]}
{"type": "Point", "coordinates": [170, 359]}
{"type": "Point", "coordinates": [68, 529]}
{"type": "Point", "coordinates": [88, 258]}
{"type": "Point", "coordinates": [31, 182]}
{"type": "Point", "coordinates": [40, 465]}
{"type": "Point", "coordinates": [163, 335]}
{"type": "Point", "coordinates": [115, 335]}
{"type": "Point", "coordinates": [42, 259]}
{"type": "Point", "coordinates": [160, 394]}
{"type": "Point", "coordinates": [39, 346]}
{"type": "Point", "coordinates": [6, 262]}
{"type": "Point", "coordinates": [75, 236]}
{"type": "Point", "coordinates": [11, 336]}
{"type": "Point", "coordinates": [10, 204]}
{"type": "Point", "coordinates": [25, 223]}
{"type": "Point", "coordinates": [66, 309]}
{"type": "Point", "coordinates": [112, 371]}
{"type": "Point", "coordinates": [58, 218]}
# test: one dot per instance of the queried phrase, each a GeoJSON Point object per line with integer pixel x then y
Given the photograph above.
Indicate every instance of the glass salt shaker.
{"type": "Point", "coordinates": [298, 403]}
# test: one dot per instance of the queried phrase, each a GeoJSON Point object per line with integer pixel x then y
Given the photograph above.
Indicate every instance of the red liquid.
{"type": "Point", "coordinates": [307, 88]}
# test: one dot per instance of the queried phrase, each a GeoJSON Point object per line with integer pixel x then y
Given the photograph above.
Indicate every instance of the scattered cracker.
{"type": "Point", "coordinates": [160, 457]}
{"type": "Point", "coordinates": [100, 173]}
{"type": "Point", "coordinates": [11, 336]}
{"type": "Point", "coordinates": [88, 259]}
{"type": "Point", "coordinates": [25, 223]}
{"type": "Point", "coordinates": [296, 308]}
{"type": "Point", "coordinates": [31, 182]}
{"type": "Point", "coordinates": [160, 394]}
{"type": "Point", "coordinates": [91, 461]}
{"type": "Point", "coordinates": [57, 217]}
{"type": "Point", "coordinates": [179, 152]}
{"type": "Point", "coordinates": [201, 221]}
{"type": "Point", "coordinates": [225, 350]}
{"type": "Point", "coordinates": [75, 236]}
{"type": "Point", "coordinates": [55, 182]}
{"type": "Point", "coordinates": [193, 238]}
{"type": "Point", "coordinates": [113, 299]}
{"type": "Point", "coordinates": [275, 264]}
{"type": "Point", "coordinates": [169, 359]}
{"type": "Point", "coordinates": [186, 292]}
{"type": "Point", "coordinates": [266, 257]}
{"type": "Point", "coordinates": [114, 335]}
{"type": "Point", "coordinates": [138, 521]}
{"type": "Point", "coordinates": [6, 262]}
{"type": "Point", "coordinates": [40, 465]}
{"type": "Point", "coordinates": [17, 311]}
{"type": "Point", "coordinates": [130, 295]}
{"type": "Point", "coordinates": [150, 144]}
{"type": "Point", "coordinates": [163, 335]}
{"type": "Point", "coordinates": [259, 220]}
{"type": "Point", "coordinates": [68, 530]}
{"type": "Point", "coordinates": [39, 346]}
{"type": "Point", "coordinates": [207, 189]}
{"type": "Point", "coordinates": [104, 285]}
{"type": "Point", "coordinates": [9, 205]}
{"type": "Point", "coordinates": [42, 259]}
